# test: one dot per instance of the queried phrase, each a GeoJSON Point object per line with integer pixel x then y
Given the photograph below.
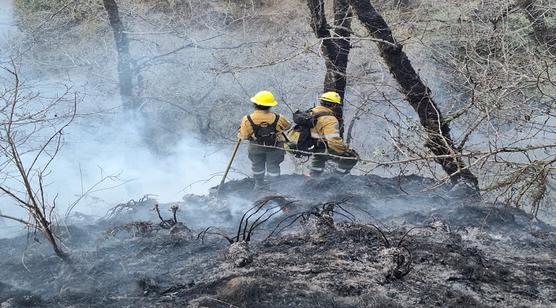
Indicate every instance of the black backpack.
{"type": "Point", "coordinates": [305, 120]}
{"type": "Point", "coordinates": [265, 133]}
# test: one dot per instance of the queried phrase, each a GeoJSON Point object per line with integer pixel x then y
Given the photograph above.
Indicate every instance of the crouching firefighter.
{"type": "Point", "coordinates": [264, 130]}
{"type": "Point", "coordinates": [319, 133]}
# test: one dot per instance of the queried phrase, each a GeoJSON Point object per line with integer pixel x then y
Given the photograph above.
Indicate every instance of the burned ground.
{"type": "Point", "coordinates": [362, 241]}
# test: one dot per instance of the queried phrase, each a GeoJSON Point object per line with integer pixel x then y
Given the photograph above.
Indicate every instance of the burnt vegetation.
{"type": "Point", "coordinates": [451, 106]}
{"type": "Point", "coordinates": [317, 251]}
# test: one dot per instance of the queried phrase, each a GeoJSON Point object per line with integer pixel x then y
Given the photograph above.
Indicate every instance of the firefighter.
{"type": "Point", "coordinates": [264, 130]}
{"type": "Point", "coordinates": [326, 132]}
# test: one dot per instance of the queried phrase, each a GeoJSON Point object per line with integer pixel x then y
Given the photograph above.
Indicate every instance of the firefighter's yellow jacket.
{"type": "Point", "coordinates": [246, 131]}
{"type": "Point", "coordinates": [327, 130]}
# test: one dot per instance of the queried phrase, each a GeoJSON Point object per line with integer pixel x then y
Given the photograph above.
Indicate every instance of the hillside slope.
{"type": "Point", "coordinates": [431, 248]}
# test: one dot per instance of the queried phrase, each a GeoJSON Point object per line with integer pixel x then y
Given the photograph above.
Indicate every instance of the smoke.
{"type": "Point", "coordinates": [6, 17]}
{"type": "Point", "coordinates": [114, 147]}
{"type": "Point", "coordinates": [7, 27]}
{"type": "Point", "coordinates": [104, 162]}
{"type": "Point", "coordinates": [105, 158]}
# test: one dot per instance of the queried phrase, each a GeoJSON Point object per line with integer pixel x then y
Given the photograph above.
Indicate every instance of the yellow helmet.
{"type": "Point", "coordinates": [332, 97]}
{"type": "Point", "coordinates": [264, 98]}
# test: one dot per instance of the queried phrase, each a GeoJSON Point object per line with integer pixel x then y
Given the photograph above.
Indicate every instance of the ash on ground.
{"type": "Point", "coordinates": [355, 241]}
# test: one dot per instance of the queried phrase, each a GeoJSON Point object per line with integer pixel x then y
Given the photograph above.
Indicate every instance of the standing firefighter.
{"type": "Point", "coordinates": [264, 129]}
{"type": "Point", "coordinates": [328, 140]}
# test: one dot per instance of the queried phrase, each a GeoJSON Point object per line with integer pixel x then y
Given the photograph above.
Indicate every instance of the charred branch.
{"type": "Point", "coordinates": [245, 230]}
{"type": "Point", "coordinates": [251, 220]}
{"type": "Point", "coordinates": [131, 205]}
{"type": "Point", "coordinates": [322, 212]}
{"type": "Point", "coordinates": [214, 231]}
{"type": "Point", "coordinates": [168, 223]}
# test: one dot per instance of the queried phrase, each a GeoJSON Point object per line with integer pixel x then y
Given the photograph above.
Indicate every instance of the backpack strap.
{"type": "Point", "coordinates": [253, 125]}
{"type": "Point", "coordinates": [275, 123]}
{"type": "Point", "coordinates": [317, 115]}
{"type": "Point", "coordinates": [256, 127]}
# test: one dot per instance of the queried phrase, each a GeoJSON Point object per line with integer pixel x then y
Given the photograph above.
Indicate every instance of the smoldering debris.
{"type": "Point", "coordinates": [364, 241]}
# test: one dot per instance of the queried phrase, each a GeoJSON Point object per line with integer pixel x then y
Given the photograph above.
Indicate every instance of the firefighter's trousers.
{"type": "Point", "coordinates": [344, 164]}
{"type": "Point", "coordinates": [265, 160]}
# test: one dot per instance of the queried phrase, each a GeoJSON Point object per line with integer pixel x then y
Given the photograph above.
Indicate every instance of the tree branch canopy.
{"type": "Point", "coordinates": [417, 93]}
{"type": "Point", "coordinates": [543, 33]}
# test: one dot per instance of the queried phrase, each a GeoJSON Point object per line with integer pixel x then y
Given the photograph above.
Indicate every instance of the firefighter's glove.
{"type": "Point", "coordinates": [290, 146]}
{"type": "Point", "coordinates": [351, 153]}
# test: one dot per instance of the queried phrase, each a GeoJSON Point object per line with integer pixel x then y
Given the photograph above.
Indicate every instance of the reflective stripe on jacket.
{"type": "Point", "coordinates": [327, 129]}
{"type": "Point", "coordinates": [246, 131]}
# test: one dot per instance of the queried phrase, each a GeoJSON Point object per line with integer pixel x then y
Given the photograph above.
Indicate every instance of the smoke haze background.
{"type": "Point", "coordinates": [111, 147]}
{"type": "Point", "coordinates": [104, 142]}
{"type": "Point", "coordinates": [114, 142]}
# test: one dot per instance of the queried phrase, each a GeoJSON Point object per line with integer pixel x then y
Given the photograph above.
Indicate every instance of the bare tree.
{"type": "Point", "coordinates": [335, 48]}
{"type": "Point", "coordinates": [499, 78]}
{"type": "Point", "coordinates": [536, 17]}
{"type": "Point", "coordinates": [24, 120]}
{"type": "Point", "coordinates": [417, 93]}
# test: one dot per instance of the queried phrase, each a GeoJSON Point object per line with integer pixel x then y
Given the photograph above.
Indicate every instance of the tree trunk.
{"type": "Point", "coordinates": [47, 230]}
{"type": "Point", "coordinates": [336, 77]}
{"type": "Point", "coordinates": [335, 45]}
{"type": "Point", "coordinates": [124, 58]}
{"type": "Point", "coordinates": [417, 94]}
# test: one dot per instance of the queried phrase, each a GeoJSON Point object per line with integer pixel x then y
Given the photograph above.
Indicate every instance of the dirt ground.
{"type": "Point", "coordinates": [356, 241]}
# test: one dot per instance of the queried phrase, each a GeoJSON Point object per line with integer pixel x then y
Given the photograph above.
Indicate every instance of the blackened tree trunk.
{"type": "Point", "coordinates": [46, 227]}
{"type": "Point", "coordinates": [417, 93]}
{"type": "Point", "coordinates": [336, 78]}
{"type": "Point", "coordinates": [124, 59]}
{"type": "Point", "coordinates": [335, 45]}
